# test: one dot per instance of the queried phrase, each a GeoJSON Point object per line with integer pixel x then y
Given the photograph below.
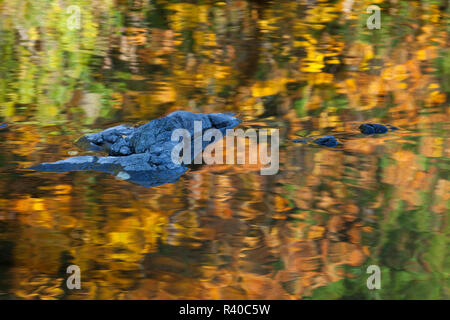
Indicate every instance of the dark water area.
{"type": "Point", "coordinates": [306, 68]}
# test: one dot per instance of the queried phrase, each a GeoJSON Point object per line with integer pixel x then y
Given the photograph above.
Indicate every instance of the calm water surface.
{"type": "Point", "coordinates": [307, 68]}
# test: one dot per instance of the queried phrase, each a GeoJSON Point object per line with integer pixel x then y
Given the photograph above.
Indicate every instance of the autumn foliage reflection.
{"type": "Point", "coordinates": [225, 232]}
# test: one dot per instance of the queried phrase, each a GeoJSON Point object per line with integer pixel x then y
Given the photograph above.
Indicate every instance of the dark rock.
{"type": "Point", "coordinates": [372, 128]}
{"type": "Point", "coordinates": [142, 155]}
{"type": "Point", "coordinates": [327, 141]}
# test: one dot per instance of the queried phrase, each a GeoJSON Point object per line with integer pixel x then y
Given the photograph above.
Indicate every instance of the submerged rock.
{"type": "Point", "coordinates": [142, 155]}
{"type": "Point", "coordinates": [393, 128]}
{"type": "Point", "coordinates": [373, 128]}
{"type": "Point", "coordinates": [327, 141]}
{"type": "Point", "coordinates": [365, 128]}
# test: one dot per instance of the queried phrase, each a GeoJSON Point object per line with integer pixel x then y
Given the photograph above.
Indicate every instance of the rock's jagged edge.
{"type": "Point", "coordinates": [141, 155]}
{"type": "Point", "coordinates": [375, 128]}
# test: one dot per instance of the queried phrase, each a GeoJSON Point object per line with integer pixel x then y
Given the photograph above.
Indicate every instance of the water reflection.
{"type": "Point", "coordinates": [145, 155]}
{"type": "Point", "coordinates": [226, 231]}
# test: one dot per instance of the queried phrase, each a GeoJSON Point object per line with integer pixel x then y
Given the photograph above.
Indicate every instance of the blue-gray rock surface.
{"type": "Point", "coordinates": [142, 155]}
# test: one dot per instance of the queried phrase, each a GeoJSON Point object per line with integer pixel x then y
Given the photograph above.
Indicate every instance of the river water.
{"type": "Point", "coordinates": [306, 68]}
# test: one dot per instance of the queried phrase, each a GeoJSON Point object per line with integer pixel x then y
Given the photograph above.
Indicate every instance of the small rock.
{"type": "Point", "coordinates": [372, 128]}
{"type": "Point", "coordinates": [327, 141]}
{"type": "Point", "coordinates": [122, 175]}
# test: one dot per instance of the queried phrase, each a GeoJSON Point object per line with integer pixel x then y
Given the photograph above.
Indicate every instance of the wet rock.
{"type": "Point", "coordinates": [300, 141]}
{"type": "Point", "coordinates": [365, 128]}
{"type": "Point", "coordinates": [392, 128]}
{"type": "Point", "coordinates": [142, 155]}
{"type": "Point", "coordinates": [373, 128]}
{"type": "Point", "coordinates": [327, 141]}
